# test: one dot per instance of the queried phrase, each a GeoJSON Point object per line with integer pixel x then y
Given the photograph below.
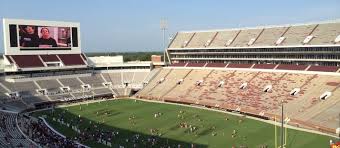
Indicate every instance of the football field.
{"type": "Point", "coordinates": [171, 125]}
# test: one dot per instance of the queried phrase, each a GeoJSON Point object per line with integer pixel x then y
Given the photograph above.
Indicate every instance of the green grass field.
{"type": "Point", "coordinates": [212, 128]}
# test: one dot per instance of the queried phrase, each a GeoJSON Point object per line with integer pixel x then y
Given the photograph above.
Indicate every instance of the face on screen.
{"type": "Point", "coordinates": [29, 29]}
{"type": "Point", "coordinates": [45, 33]}
{"type": "Point", "coordinates": [31, 36]}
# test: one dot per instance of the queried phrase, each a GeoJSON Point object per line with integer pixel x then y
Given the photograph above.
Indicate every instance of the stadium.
{"type": "Point", "coordinates": [264, 86]}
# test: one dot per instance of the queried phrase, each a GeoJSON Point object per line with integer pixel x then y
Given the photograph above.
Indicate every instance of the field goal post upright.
{"type": "Point", "coordinates": [275, 132]}
{"type": "Point", "coordinates": [283, 131]}
{"type": "Point", "coordinates": [337, 131]}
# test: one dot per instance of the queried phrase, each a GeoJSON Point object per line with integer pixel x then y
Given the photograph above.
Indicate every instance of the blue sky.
{"type": "Point", "coordinates": [133, 25]}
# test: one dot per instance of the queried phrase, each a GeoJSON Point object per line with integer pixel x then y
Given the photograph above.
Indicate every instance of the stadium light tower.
{"type": "Point", "coordinates": [164, 27]}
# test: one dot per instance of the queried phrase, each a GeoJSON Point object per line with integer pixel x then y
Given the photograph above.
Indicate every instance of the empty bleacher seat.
{"type": "Point", "coordinates": [269, 36]}
{"type": "Point", "coordinates": [139, 77]}
{"type": "Point", "coordinates": [296, 34]}
{"type": "Point", "coordinates": [128, 77]}
{"type": "Point", "coordinates": [151, 75]}
{"type": "Point", "coordinates": [325, 34]}
{"type": "Point", "coordinates": [245, 36]}
{"type": "Point", "coordinates": [180, 39]}
{"type": "Point", "coordinates": [50, 85]}
{"type": "Point", "coordinates": [73, 83]}
{"type": "Point", "coordinates": [223, 37]}
{"type": "Point", "coordinates": [19, 86]}
{"type": "Point", "coordinates": [116, 78]}
{"type": "Point", "coordinates": [102, 91]}
{"type": "Point", "coordinates": [94, 80]}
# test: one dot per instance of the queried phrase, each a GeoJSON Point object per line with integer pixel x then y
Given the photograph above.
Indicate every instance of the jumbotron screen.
{"type": "Point", "coordinates": [26, 37]}
{"type": "Point", "coordinates": [44, 36]}
{"type": "Point", "coordinates": [40, 35]}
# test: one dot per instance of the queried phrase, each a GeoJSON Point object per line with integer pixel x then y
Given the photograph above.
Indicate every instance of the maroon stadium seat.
{"type": "Point", "coordinates": [323, 68]}
{"type": "Point", "coordinates": [239, 65]}
{"type": "Point", "coordinates": [27, 61]}
{"type": "Point", "coordinates": [291, 67]}
{"type": "Point", "coordinates": [216, 65]}
{"type": "Point", "coordinates": [71, 59]}
{"type": "Point", "coordinates": [195, 64]}
{"type": "Point", "coordinates": [178, 64]}
{"type": "Point", "coordinates": [49, 58]}
{"type": "Point", "coordinates": [264, 66]}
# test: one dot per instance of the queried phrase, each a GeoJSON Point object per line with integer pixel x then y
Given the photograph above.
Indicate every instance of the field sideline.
{"type": "Point", "coordinates": [174, 125]}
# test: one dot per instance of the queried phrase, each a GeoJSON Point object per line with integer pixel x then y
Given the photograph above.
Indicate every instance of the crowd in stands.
{"type": "Point", "coordinates": [40, 133]}
{"type": "Point", "coordinates": [10, 136]}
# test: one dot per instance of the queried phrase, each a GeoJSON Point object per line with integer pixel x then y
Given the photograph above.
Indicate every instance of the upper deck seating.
{"type": "Point", "coordinates": [295, 35]}
{"type": "Point", "coordinates": [180, 39]}
{"type": "Point", "coordinates": [325, 34]}
{"type": "Point", "coordinates": [245, 36]}
{"type": "Point", "coordinates": [223, 37]}
{"type": "Point", "coordinates": [269, 36]}
{"type": "Point", "coordinates": [200, 39]}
